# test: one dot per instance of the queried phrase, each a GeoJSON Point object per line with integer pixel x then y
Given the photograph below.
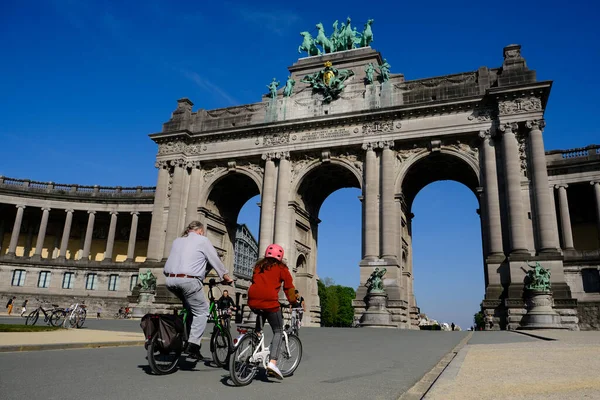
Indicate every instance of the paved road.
{"type": "Point", "coordinates": [337, 364]}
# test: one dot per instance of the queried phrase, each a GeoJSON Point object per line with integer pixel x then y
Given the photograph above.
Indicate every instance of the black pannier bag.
{"type": "Point", "coordinates": [167, 327]}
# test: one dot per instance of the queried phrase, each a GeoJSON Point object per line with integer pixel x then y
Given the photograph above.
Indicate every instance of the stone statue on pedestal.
{"type": "Point", "coordinates": [384, 71]}
{"type": "Point", "coordinates": [289, 87]}
{"type": "Point", "coordinates": [538, 278]}
{"type": "Point", "coordinates": [369, 69]}
{"type": "Point", "coordinates": [273, 88]}
{"type": "Point", "coordinates": [375, 282]}
{"type": "Point", "coordinates": [147, 281]}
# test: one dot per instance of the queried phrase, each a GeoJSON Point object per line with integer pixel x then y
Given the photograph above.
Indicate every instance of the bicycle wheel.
{"type": "Point", "coordinates": [32, 317]}
{"type": "Point", "coordinates": [162, 362]}
{"type": "Point", "coordinates": [220, 346]}
{"type": "Point", "coordinates": [82, 315]}
{"type": "Point", "coordinates": [241, 369]}
{"type": "Point", "coordinates": [58, 317]}
{"type": "Point", "coordinates": [290, 359]}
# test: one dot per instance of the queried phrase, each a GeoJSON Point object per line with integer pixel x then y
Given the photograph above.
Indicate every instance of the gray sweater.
{"type": "Point", "coordinates": [189, 255]}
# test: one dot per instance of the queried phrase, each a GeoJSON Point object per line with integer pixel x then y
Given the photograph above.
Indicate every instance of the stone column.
{"type": "Point", "coordinates": [110, 240]}
{"type": "Point", "coordinates": [282, 215]}
{"type": "Point", "coordinates": [87, 245]}
{"type": "Point", "coordinates": [370, 204]}
{"type": "Point", "coordinates": [155, 245]}
{"type": "Point", "coordinates": [543, 206]}
{"type": "Point", "coordinates": [554, 216]}
{"type": "Point", "coordinates": [267, 205]}
{"type": "Point", "coordinates": [596, 185]}
{"type": "Point", "coordinates": [389, 218]}
{"type": "Point", "coordinates": [1, 236]}
{"type": "Point", "coordinates": [39, 244]}
{"type": "Point", "coordinates": [14, 238]}
{"type": "Point", "coordinates": [491, 195]}
{"type": "Point", "coordinates": [512, 172]}
{"type": "Point", "coordinates": [175, 206]}
{"type": "Point", "coordinates": [565, 217]}
{"type": "Point", "coordinates": [191, 211]}
{"type": "Point", "coordinates": [132, 236]}
{"type": "Point", "coordinates": [64, 243]}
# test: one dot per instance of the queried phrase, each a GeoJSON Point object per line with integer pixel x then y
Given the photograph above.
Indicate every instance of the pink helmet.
{"type": "Point", "coordinates": [274, 251]}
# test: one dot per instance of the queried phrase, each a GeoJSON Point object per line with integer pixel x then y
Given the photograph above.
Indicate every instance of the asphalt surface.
{"type": "Point", "coordinates": [336, 364]}
{"type": "Point", "coordinates": [498, 337]}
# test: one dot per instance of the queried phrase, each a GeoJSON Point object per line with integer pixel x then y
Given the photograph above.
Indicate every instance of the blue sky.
{"type": "Point", "coordinates": [83, 83]}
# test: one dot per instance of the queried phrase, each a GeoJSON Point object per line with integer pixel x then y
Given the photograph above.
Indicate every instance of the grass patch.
{"type": "Point", "coordinates": [26, 328]}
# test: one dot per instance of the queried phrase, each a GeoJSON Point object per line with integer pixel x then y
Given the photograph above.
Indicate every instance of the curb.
{"type": "Point", "coordinates": [67, 346]}
{"type": "Point", "coordinates": [420, 389]}
{"type": "Point", "coordinates": [533, 335]}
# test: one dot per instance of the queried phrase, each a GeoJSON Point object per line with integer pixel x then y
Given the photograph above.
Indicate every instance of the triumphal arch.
{"type": "Point", "coordinates": [343, 119]}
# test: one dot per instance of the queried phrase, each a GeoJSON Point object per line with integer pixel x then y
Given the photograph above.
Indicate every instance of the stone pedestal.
{"type": "Point", "coordinates": [144, 304]}
{"type": "Point", "coordinates": [377, 315]}
{"type": "Point", "coordinates": [540, 314]}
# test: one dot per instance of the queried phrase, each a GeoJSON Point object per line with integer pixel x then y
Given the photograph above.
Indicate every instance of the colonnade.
{"type": "Point", "coordinates": [66, 234]}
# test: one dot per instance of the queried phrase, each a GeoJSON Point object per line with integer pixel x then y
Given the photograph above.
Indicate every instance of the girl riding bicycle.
{"type": "Point", "coordinates": [263, 298]}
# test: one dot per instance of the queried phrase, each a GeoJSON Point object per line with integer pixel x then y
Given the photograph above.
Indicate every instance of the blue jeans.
{"type": "Point", "coordinates": [190, 292]}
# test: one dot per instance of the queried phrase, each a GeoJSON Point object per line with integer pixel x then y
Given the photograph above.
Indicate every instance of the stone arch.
{"type": "Point", "coordinates": [457, 164]}
{"type": "Point", "coordinates": [338, 172]}
{"type": "Point", "coordinates": [225, 193]}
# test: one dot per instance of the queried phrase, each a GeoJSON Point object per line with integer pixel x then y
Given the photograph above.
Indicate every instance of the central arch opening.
{"type": "Point", "coordinates": [443, 265]}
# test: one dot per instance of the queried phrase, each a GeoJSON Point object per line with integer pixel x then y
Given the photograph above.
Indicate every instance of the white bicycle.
{"type": "Point", "coordinates": [75, 316]}
{"type": "Point", "coordinates": [250, 354]}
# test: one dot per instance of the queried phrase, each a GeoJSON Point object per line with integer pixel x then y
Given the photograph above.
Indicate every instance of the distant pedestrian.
{"type": "Point", "coordinates": [452, 325]}
{"type": "Point", "coordinates": [10, 304]}
{"type": "Point", "coordinates": [24, 308]}
{"type": "Point", "coordinates": [99, 312]}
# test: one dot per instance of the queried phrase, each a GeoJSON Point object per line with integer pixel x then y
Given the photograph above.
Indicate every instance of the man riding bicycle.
{"type": "Point", "coordinates": [185, 270]}
{"type": "Point", "coordinates": [225, 302]}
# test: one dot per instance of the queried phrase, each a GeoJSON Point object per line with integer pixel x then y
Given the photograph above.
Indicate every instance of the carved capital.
{"type": "Point", "coordinates": [369, 146]}
{"type": "Point", "coordinates": [561, 185]}
{"type": "Point", "coordinates": [135, 213]}
{"type": "Point", "coordinates": [69, 210]}
{"type": "Point", "coordinates": [537, 124]}
{"type": "Point", "coordinates": [113, 212]}
{"type": "Point", "coordinates": [46, 209]}
{"type": "Point", "coordinates": [595, 183]}
{"type": "Point", "coordinates": [179, 162]}
{"type": "Point", "coordinates": [161, 164]}
{"type": "Point", "coordinates": [91, 212]}
{"type": "Point", "coordinates": [511, 127]}
{"type": "Point", "coordinates": [389, 144]}
{"type": "Point", "coordinates": [484, 134]}
{"type": "Point", "coordinates": [282, 155]}
{"type": "Point", "coordinates": [21, 206]}
{"type": "Point", "coordinates": [268, 156]}
{"type": "Point", "coordinates": [193, 165]}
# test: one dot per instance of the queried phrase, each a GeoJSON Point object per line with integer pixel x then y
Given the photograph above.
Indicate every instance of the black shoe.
{"type": "Point", "coordinates": [193, 351]}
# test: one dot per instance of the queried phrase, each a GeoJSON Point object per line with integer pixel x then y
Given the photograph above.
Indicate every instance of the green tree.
{"type": "Point", "coordinates": [479, 320]}
{"type": "Point", "coordinates": [336, 303]}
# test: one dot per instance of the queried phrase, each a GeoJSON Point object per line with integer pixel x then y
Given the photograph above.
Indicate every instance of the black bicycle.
{"type": "Point", "coordinates": [51, 316]}
{"type": "Point", "coordinates": [164, 361]}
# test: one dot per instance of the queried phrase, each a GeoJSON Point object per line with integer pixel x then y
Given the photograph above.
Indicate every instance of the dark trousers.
{"type": "Point", "coordinates": [275, 319]}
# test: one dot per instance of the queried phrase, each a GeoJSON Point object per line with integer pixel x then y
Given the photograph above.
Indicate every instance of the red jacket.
{"type": "Point", "coordinates": [264, 291]}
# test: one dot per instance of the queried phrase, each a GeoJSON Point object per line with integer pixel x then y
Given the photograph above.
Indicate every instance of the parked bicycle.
{"type": "Point", "coordinates": [50, 315]}
{"type": "Point", "coordinates": [74, 316]}
{"type": "Point", "coordinates": [165, 360]}
{"type": "Point", "coordinates": [250, 354]}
